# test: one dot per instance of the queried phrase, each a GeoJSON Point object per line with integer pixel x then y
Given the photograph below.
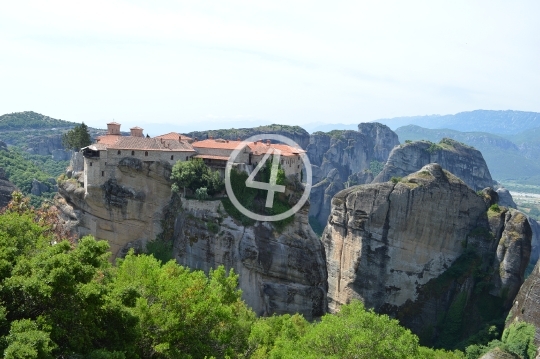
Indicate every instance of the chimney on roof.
{"type": "Point", "coordinates": [255, 142]}
{"type": "Point", "coordinates": [238, 139]}
{"type": "Point", "coordinates": [179, 138]}
{"type": "Point", "coordinates": [113, 128]}
{"type": "Point", "coordinates": [268, 142]}
{"type": "Point", "coordinates": [136, 132]}
{"type": "Point", "coordinates": [211, 137]}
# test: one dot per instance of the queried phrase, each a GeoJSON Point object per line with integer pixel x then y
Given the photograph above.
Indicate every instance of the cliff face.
{"type": "Point", "coordinates": [338, 155]}
{"type": "Point", "coordinates": [410, 249]}
{"type": "Point", "coordinates": [463, 161]}
{"type": "Point", "coordinates": [279, 272]}
{"type": "Point", "coordinates": [6, 188]}
{"type": "Point", "coordinates": [527, 303]}
{"type": "Point", "coordinates": [126, 211]}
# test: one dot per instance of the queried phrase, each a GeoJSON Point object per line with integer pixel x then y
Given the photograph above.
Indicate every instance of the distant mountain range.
{"type": "Point", "coordinates": [498, 122]}
{"type": "Point", "coordinates": [509, 157]}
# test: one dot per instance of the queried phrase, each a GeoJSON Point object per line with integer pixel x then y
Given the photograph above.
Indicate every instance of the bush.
{"type": "Point", "coordinates": [395, 179]}
{"type": "Point", "coordinates": [201, 193]}
{"type": "Point", "coordinates": [519, 339]}
{"type": "Point", "coordinates": [495, 208]}
{"type": "Point", "coordinates": [195, 174]}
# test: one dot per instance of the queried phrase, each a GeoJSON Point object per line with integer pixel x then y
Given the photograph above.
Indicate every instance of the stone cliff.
{"type": "Point", "coordinates": [342, 157]}
{"type": "Point", "coordinates": [6, 188]}
{"type": "Point", "coordinates": [463, 161]}
{"type": "Point", "coordinates": [278, 272]}
{"type": "Point", "coordinates": [126, 211]}
{"type": "Point", "coordinates": [527, 303]}
{"type": "Point", "coordinates": [418, 247]}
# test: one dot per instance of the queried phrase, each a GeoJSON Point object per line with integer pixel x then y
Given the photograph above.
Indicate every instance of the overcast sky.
{"type": "Point", "coordinates": [212, 64]}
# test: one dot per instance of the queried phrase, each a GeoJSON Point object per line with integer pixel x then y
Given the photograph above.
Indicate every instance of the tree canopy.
{"type": "Point", "coordinates": [195, 174]}
{"type": "Point", "coordinates": [77, 138]}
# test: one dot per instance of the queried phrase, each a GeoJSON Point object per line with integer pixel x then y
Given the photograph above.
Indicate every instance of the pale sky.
{"type": "Point", "coordinates": [210, 64]}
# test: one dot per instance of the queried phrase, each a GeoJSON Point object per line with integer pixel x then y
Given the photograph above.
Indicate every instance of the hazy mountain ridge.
{"type": "Point", "coordinates": [506, 159]}
{"type": "Point", "coordinates": [499, 122]}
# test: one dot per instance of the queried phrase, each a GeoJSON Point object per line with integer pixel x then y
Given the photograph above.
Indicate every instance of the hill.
{"type": "Point", "coordinates": [499, 122]}
{"type": "Point", "coordinates": [506, 159]}
{"type": "Point", "coordinates": [30, 120]}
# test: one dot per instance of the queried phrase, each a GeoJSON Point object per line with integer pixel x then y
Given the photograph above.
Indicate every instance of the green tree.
{"type": "Point", "coordinates": [184, 313]}
{"type": "Point", "coordinates": [196, 174]}
{"type": "Point", "coordinates": [76, 138]}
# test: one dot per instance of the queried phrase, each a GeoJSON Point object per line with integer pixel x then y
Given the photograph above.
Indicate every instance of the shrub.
{"type": "Point", "coordinates": [201, 193]}
{"type": "Point", "coordinates": [395, 179]}
{"type": "Point", "coordinates": [495, 208]}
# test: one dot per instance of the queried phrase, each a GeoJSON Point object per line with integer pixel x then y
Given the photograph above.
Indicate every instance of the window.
{"type": "Point", "coordinates": [187, 158]}
{"type": "Point", "coordinates": [90, 164]}
{"type": "Point", "coordinates": [146, 153]}
{"type": "Point", "coordinates": [298, 166]}
{"type": "Point", "coordinates": [133, 153]}
{"type": "Point", "coordinates": [102, 173]}
{"type": "Point", "coordinates": [119, 152]}
{"type": "Point", "coordinates": [172, 157]}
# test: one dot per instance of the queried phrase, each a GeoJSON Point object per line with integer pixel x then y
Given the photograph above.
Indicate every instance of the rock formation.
{"type": "Point", "coordinates": [126, 210]}
{"type": "Point", "coordinates": [535, 253]}
{"type": "Point", "coordinates": [278, 272]}
{"type": "Point", "coordinates": [340, 157]}
{"type": "Point", "coordinates": [6, 187]}
{"type": "Point", "coordinates": [527, 303]}
{"type": "Point", "coordinates": [505, 198]}
{"type": "Point", "coordinates": [47, 145]}
{"type": "Point", "coordinates": [463, 161]}
{"type": "Point", "coordinates": [409, 247]}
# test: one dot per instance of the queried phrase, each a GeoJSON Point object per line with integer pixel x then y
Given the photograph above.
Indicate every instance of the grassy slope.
{"type": "Point", "coordinates": [30, 120]}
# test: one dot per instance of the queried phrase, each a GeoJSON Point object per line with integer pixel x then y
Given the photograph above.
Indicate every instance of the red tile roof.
{"type": "Point", "coordinates": [218, 144]}
{"type": "Point", "coordinates": [107, 139]}
{"type": "Point", "coordinates": [150, 144]}
{"type": "Point", "coordinates": [174, 136]}
{"type": "Point", "coordinates": [286, 150]}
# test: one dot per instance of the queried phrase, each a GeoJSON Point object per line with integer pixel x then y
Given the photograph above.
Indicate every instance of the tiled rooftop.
{"type": "Point", "coordinates": [174, 136]}
{"type": "Point", "coordinates": [218, 144]}
{"type": "Point", "coordinates": [108, 139]}
{"type": "Point", "coordinates": [152, 144]}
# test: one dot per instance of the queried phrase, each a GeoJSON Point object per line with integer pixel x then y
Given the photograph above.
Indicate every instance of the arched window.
{"type": "Point", "coordinates": [119, 152]}
{"type": "Point", "coordinates": [133, 153]}
{"type": "Point", "coordinates": [146, 153]}
{"type": "Point", "coordinates": [90, 164]}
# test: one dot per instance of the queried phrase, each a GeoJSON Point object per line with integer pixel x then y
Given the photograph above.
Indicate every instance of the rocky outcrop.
{"type": "Point", "coordinates": [6, 187]}
{"type": "Point", "coordinates": [127, 208]}
{"type": "Point", "coordinates": [463, 161]}
{"type": "Point", "coordinates": [527, 303]}
{"type": "Point", "coordinates": [44, 145]}
{"type": "Point", "coordinates": [409, 247]}
{"type": "Point", "coordinates": [278, 272]}
{"type": "Point", "coordinates": [535, 253]}
{"type": "Point", "coordinates": [340, 157]}
{"type": "Point", "coordinates": [505, 198]}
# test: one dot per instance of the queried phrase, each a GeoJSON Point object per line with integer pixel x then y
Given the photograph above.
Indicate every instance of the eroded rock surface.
{"type": "Point", "coordinates": [279, 272]}
{"type": "Point", "coordinates": [463, 161]}
{"type": "Point", "coordinates": [409, 249]}
{"type": "Point", "coordinates": [127, 208]}
{"type": "Point", "coordinates": [6, 188]}
{"type": "Point", "coordinates": [340, 157]}
{"type": "Point", "coordinates": [527, 303]}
